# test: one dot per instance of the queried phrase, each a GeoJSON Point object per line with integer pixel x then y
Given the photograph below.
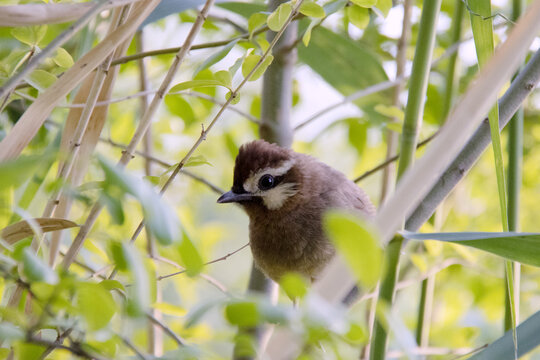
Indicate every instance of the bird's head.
{"type": "Point", "coordinates": [265, 175]}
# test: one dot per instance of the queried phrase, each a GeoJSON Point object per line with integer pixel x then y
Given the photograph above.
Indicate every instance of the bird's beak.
{"type": "Point", "coordinates": [230, 197]}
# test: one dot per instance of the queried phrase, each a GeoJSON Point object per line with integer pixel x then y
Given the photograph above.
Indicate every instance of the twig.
{"type": "Point", "coordinates": [233, 94]}
{"type": "Point", "coordinates": [392, 159]}
{"type": "Point", "coordinates": [75, 348]}
{"type": "Point", "coordinates": [56, 43]}
{"type": "Point", "coordinates": [166, 329]}
{"type": "Point", "coordinates": [225, 257]}
{"type": "Point", "coordinates": [133, 348]}
{"type": "Point", "coordinates": [141, 129]}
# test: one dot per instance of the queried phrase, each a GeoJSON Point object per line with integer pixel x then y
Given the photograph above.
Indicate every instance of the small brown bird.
{"type": "Point", "coordinates": [285, 195]}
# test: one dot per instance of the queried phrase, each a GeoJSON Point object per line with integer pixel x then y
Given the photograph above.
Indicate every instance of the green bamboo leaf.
{"type": "Point", "coordinates": [16, 172]}
{"type": "Point", "coordinates": [180, 107]}
{"type": "Point", "coordinates": [358, 16]}
{"type": "Point", "coordinates": [521, 247]}
{"type": "Point", "coordinates": [312, 9]}
{"type": "Point", "coordinates": [30, 35]}
{"type": "Point", "coordinates": [277, 19]}
{"type": "Point", "coordinates": [358, 245]}
{"type": "Point", "coordinates": [503, 347]}
{"type": "Point", "coordinates": [129, 258]}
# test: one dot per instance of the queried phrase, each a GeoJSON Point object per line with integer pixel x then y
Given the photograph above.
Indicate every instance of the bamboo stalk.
{"type": "Point", "coordinates": [28, 125]}
{"type": "Point", "coordinates": [409, 138]}
{"type": "Point", "coordinates": [41, 14]}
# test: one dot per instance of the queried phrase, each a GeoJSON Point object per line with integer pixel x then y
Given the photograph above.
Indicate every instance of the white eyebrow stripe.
{"type": "Point", "coordinates": [251, 184]}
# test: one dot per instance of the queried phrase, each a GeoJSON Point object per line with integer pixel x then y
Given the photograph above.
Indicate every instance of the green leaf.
{"type": "Point", "coordinates": [197, 160]}
{"type": "Point", "coordinates": [242, 313]}
{"type": "Point", "coordinates": [41, 79]}
{"type": "Point", "coordinates": [112, 285]}
{"type": "Point", "coordinates": [358, 16]}
{"type": "Point", "coordinates": [235, 100]}
{"type": "Point", "coordinates": [358, 130]}
{"type": "Point", "coordinates": [114, 207]}
{"type": "Point", "coordinates": [251, 61]}
{"type": "Point", "coordinates": [63, 58]}
{"type": "Point", "coordinates": [195, 84]}
{"type": "Point", "coordinates": [16, 172]}
{"type": "Point", "coordinates": [346, 65]}
{"type": "Point", "coordinates": [178, 106]}
{"type": "Point", "coordinates": [307, 34]}
{"type": "Point", "coordinates": [214, 58]}
{"type": "Point", "coordinates": [521, 247]}
{"type": "Point", "coordinates": [312, 9]}
{"type": "Point", "coordinates": [30, 35]}
{"type": "Point", "coordinates": [358, 244]}
{"type": "Point", "coordinates": [256, 21]}
{"type": "Point", "coordinates": [160, 218]}
{"type": "Point", "coordinates": [242, 8]}
{"type": "Point", "coordinates": [96, 304]}
{"type": "Point", "coordinates": [277, 19]}
{"type": "Point", "coordinates": [191, 258]}
{"type": "Point", "coordinates": [294, 285]}
{"type": "Point", "coordinates": [365, 3]}
{"type": "Point", "coordinates": [384, 6]}
{"type": "Point", "coordinates": [225, 77]}
{"type": "Point", "coordinates": [35, 269]}
{"type": "Point", "coordinates": [503, 347]}
{"type": "Point", "coordinates": [139, 292]}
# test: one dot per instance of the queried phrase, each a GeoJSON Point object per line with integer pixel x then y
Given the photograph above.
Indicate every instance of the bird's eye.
{"type": "Point", "coordinates": [266, 182]}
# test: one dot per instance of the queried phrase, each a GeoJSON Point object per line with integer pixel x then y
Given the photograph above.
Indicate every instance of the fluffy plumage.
{"type": "Point", "coordinates": [286, 232]}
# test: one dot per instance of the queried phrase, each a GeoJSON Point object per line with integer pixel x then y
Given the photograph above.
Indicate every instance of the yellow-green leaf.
{"type": "Point", "coordinates": [356, 241]}
{"type": "Point", "coordinates": [251, 61]}
{"type": "Point", "coordinates": [390, 111]}
{"type": "Point", "coordinates": [358, 16]}
{"type": "Point", "coordinates": [312, 9]}
{"type": "Point", "coordinates": [255, 21]}
{"type": "Point", "coordinates": [294, 285]}
{"type": "Point", "coordinates": [63, 58]}
{"type": "Point", "coordinates": [96, 304]}
{"type": "Point", "coordinates": [41, 79]}
{"type": "Point", "coordinates": [277, 19]}
{"type": "Point", "coordinates": [30, 35]}
{"type": "Point", "coordinates": [365, 3]}
{"type": "Point", "coordinates": [170, 309]}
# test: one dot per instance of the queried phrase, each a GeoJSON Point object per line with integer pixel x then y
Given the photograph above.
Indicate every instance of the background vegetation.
{"type": "Point", "coordinates": [106, 106]}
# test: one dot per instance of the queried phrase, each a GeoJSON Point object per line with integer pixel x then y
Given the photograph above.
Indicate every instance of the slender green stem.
{"type": "Point", "coordinates": [386, 297]}
{"type": "Point", "coordinates": [515, 163]}
{"type": "Point", "coordinates": [409, 138]}
{"type": "Point", "coordinates": [426, 293]}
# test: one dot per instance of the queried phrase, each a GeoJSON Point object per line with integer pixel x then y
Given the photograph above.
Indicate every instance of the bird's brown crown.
{"type": "Point", "coordinates": [254, 156]}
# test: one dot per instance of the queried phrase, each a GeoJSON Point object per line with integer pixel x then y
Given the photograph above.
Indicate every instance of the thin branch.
{"type": "Point", "coordinates": [233, 94]}
{"type": "Point", "coordinates": [181, 342]}
{"type": "Point", "coordinates": [75, 348]}
{"type": "Point", "coordinates": [133, 348]}
{"type": "Point", "coordinates": [141, 129]}
{"type": "Point", "coordinates": [56, 43]}
{"type": "Point", "coordinates": [392, 159]}
{"type": "Point", "coordinates": [225, 257]}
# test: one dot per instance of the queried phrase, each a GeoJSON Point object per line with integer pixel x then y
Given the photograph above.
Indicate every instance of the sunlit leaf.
{"type": "Point", "coordinates": [170, 309]}
{"type": "Point", "coordinates": [195, 84]}
{"type": "Point", "coordinates": [16, 172]}
{"type": "Point", "coordinates": [63, 58]}
{"type": "Point", "coordinates": [190, 256]}
{"type": "Point", "coordinates": [358, 16]}
{"type": "Point", "coordinates": [256, 21]}
{"type": "Point", "coordinates": [225, 77]}
{"type": "Point", "coordinates": [357, 243]}
{"type": "Point", "coordinates": [242, 313]}
{"type": "Point", "coordinates": [390, 111]}
{"type": "Point", "coordinates": [251, 61]}
{"type": "Point", "coordinates": [139, 291]}
{"type": "Point", "coordinates": [178, 106]}
{"type": "Point", "coordinates": [277, 19]}
{"type": "Point", "coordinates": [294, 285]}
{"type": "Point", "coordinates": [41, 79]}
{"type": "Point", "coordinates": [96, 304]}
{"type": "Point", "coordinates": [365, 3]}
{"type": "Point", "coordinates": [197, 160]}
{"type": "Point", "coordinates": [35, 269]}
{"type": "Point", "coordinates": [23, 229]}
{"type": "Point", "coordinates": [30, 35]}
{"type": "Point", "coordinates": [312, 9]}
